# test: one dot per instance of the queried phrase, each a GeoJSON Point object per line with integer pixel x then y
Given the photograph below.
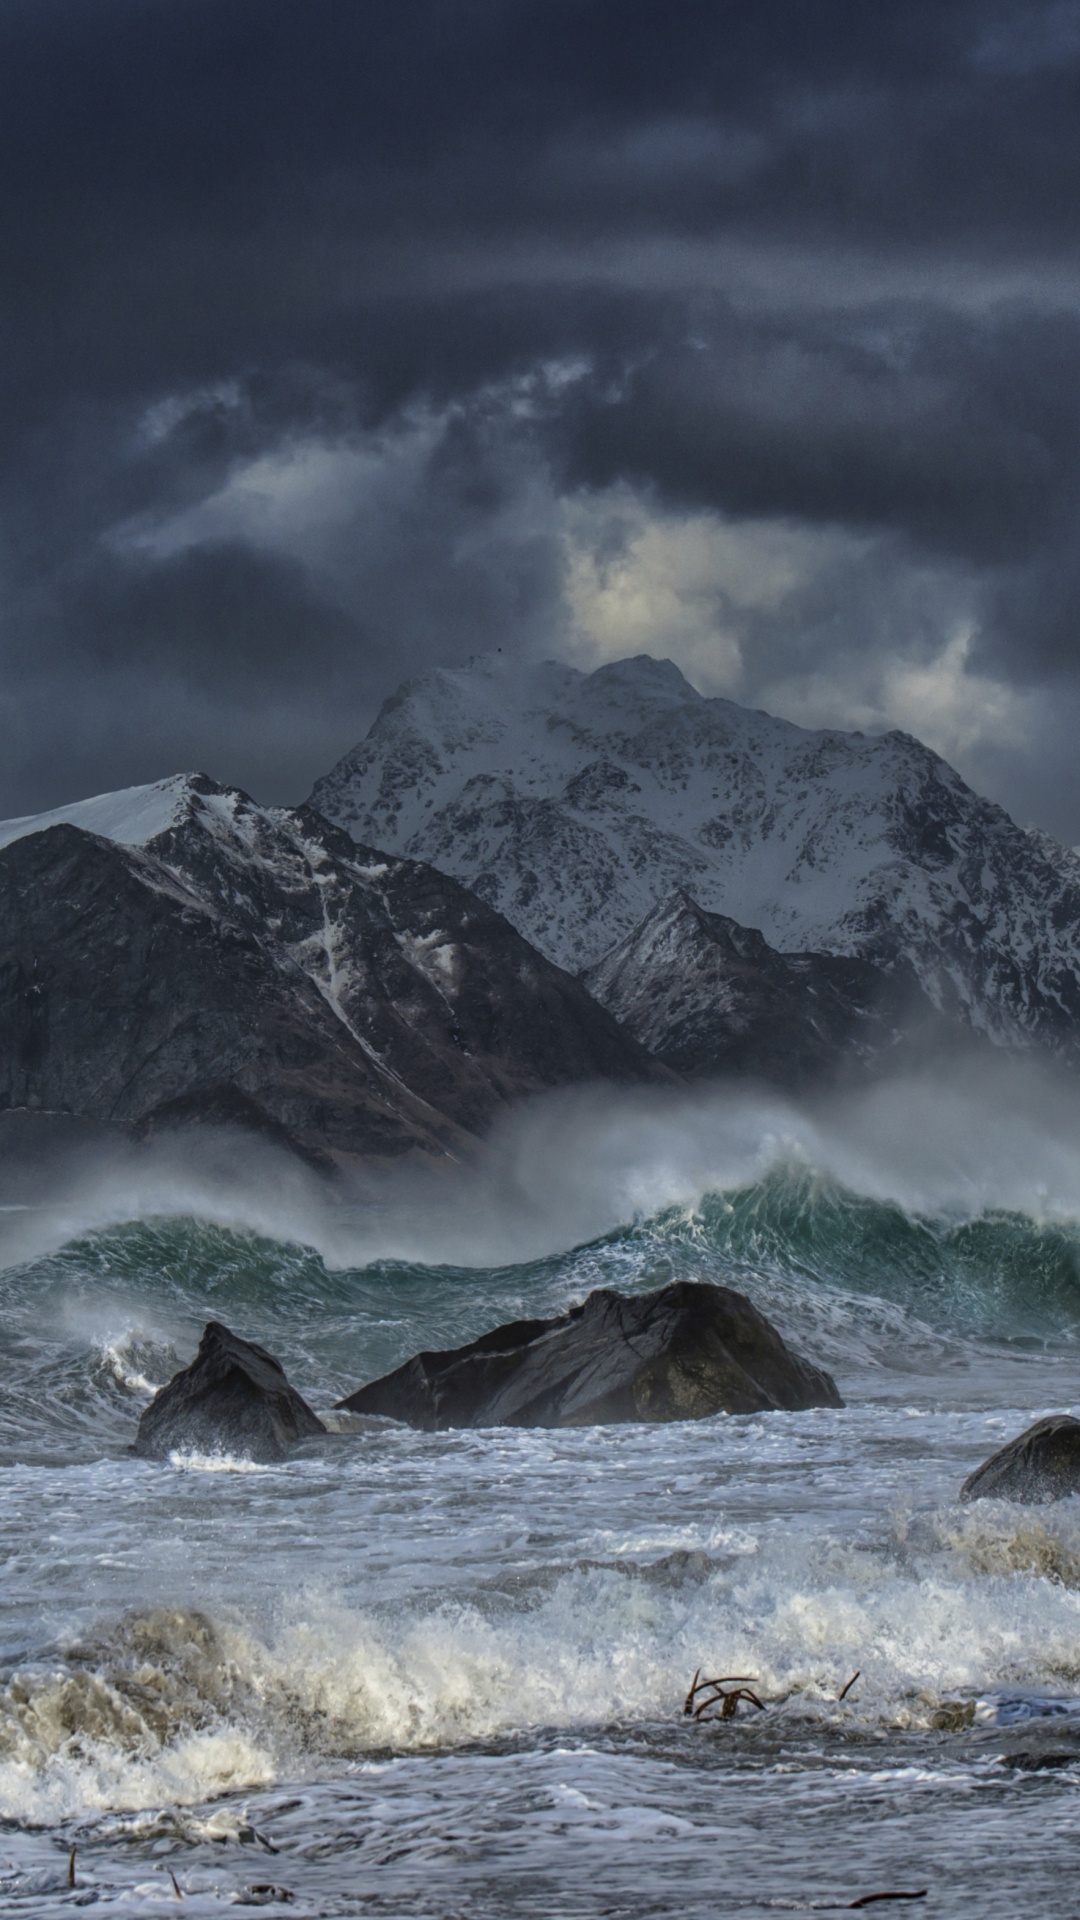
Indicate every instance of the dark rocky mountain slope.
{"type": "Point", "coordinates": [707, 996]}
{"type": "Point", "coordinates": [206, 957]}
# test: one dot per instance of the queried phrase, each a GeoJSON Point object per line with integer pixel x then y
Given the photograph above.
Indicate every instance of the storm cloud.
{"type": "Point", "coordinates": [342, 342]}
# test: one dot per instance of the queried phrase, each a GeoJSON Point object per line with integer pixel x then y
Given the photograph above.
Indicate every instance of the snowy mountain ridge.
{"type": "Point", "coordinates": [177, 951]}
{"type": "Point", "coordinates": [131, 817]}
{"type": "Point", "coordinates": [575, 802]}
{"type": "Point", "coordinates": [710, 997]}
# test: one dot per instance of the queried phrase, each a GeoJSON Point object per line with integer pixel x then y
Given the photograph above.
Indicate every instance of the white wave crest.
{"type": "Point", "coordinates": [193, 1462]}
{"type": "Point", "coordinates": [119, 1356]}
{"type": "Point", "coordinates": [566, 1168]}
{"type": "Point", "coordinates": [958, 1618]}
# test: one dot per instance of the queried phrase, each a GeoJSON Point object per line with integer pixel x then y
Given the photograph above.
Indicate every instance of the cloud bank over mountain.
{"type": "Point", "coordinates": [342, 344]}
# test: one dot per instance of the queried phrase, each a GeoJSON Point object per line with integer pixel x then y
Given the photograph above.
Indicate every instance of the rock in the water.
{"type": "Point", "coordinates": [681, 1353]}
{"type": "Point", "coordinates": [1040, 1465]}
{"type": "Point", "coordinates": [234, 1398]}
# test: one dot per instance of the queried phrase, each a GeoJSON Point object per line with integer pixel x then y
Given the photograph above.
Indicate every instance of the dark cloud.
{"type": "Point", "coordinates": [191, 185]}
{"type": "Point", "coordinates": [246, 606]}
{"type": "Point", "coordinates": [319, 319]}
{"type": "Point", "coordinates": [960, 434]}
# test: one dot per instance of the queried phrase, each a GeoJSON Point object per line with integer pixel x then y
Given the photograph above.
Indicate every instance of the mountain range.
{"type": "Point", "coordinates": [575, 803]}
{"type": "Point", "coordinates": [178, 953]}
{"type": "Point", "coordinates": [523, 876]}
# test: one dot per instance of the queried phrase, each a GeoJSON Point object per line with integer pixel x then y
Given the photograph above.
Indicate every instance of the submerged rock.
{"type": "Point", "coordinates": [1040, 1465]}
{"type": "Point", "coordinates": [234, 1398]}
{"type": "Point", "coordinates": [681, 1353]}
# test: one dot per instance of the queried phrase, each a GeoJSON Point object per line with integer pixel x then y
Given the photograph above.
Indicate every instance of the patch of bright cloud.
{"type": "Point", "coordinates": [288, 497]}
{"type": "Point", "coordinates": [817, 625]}
{"type": "Point", "coordinates": [686, 587]}
{"type": "Point", "coordinates": [952, 706]}
{"type": "Point", "coordinates": [943, 699]}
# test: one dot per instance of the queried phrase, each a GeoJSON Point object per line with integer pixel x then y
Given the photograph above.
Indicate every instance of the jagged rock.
{"type": "Point", "coordinates": [234, 1398]}
{"type": "Point", "coordinates": [1040, 1465]}
{"type": "Point", "coordinates": [681, 1353]}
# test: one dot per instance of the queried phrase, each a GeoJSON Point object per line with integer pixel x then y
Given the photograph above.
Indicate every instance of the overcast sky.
{"type": "Point", "coordinates": [341, 341]}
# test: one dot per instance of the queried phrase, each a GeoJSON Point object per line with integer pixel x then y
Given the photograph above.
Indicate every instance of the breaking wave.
{"type": "Point", "coordinates": [176, 1632]}
{"type": "Point", "coordinates": [958, 1621]}
{"type": "Point", "coordinates": [93, 1328]}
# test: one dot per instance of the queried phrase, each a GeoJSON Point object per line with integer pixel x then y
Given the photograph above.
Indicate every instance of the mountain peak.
{"type": "Point", "coordinates": [708, 996]}
{"type": "Point", "coordinates": [131, 816]}
{"type": "Point", "coordinates": [643, 673]}
{"type": "Point", "coordinates": [576, 802]}
{"type": "Point", "coordinates": [178, 952]}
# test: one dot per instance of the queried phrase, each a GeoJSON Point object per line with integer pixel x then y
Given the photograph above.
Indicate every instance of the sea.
{"type": "Point", "coordinates": [438, 1675]}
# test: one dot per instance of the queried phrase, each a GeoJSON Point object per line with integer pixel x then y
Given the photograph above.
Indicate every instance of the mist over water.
{"type": "Point", "coordinates": [566, 1168]}
{"type": "Point", "coordinates": [448, 1670]}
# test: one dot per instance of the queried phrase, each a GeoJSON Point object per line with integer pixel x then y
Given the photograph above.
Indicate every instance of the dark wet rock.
{"type": "Point", "coordinates": [1040, 1465]}
{"type": "Point", "coordinates": [682, 1353]}
{"type": "Point", "coordinates": [234, 1398]}
{"type": "Point", "coordinates": [1050, 1761]}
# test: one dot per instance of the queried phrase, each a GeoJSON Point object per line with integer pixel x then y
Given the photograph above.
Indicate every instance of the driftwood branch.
{"type": "Point", "coordinates": [697, 1685]}
{"type": "Point", "coordinates": [725, 1692]}
{"type": "Point", "coordinates": [869, 1899]}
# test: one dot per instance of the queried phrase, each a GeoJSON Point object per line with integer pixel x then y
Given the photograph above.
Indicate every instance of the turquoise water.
{"type": "Point", "coordinates": [419, 1674]}
{"type": "Point", "coordinates": [860, 1281]}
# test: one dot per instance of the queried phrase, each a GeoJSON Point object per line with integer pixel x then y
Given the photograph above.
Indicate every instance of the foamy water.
{"type": "Point", "coordinates": [424, 1674]}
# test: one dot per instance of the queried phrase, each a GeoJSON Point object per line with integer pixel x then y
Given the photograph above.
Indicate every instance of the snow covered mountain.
{"type": "Point", "coordinates": [707, 996]}
{"type": "Point", "coordinates": [179, 952]}
{"type": "Point", "coordinates": [576, 803]}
